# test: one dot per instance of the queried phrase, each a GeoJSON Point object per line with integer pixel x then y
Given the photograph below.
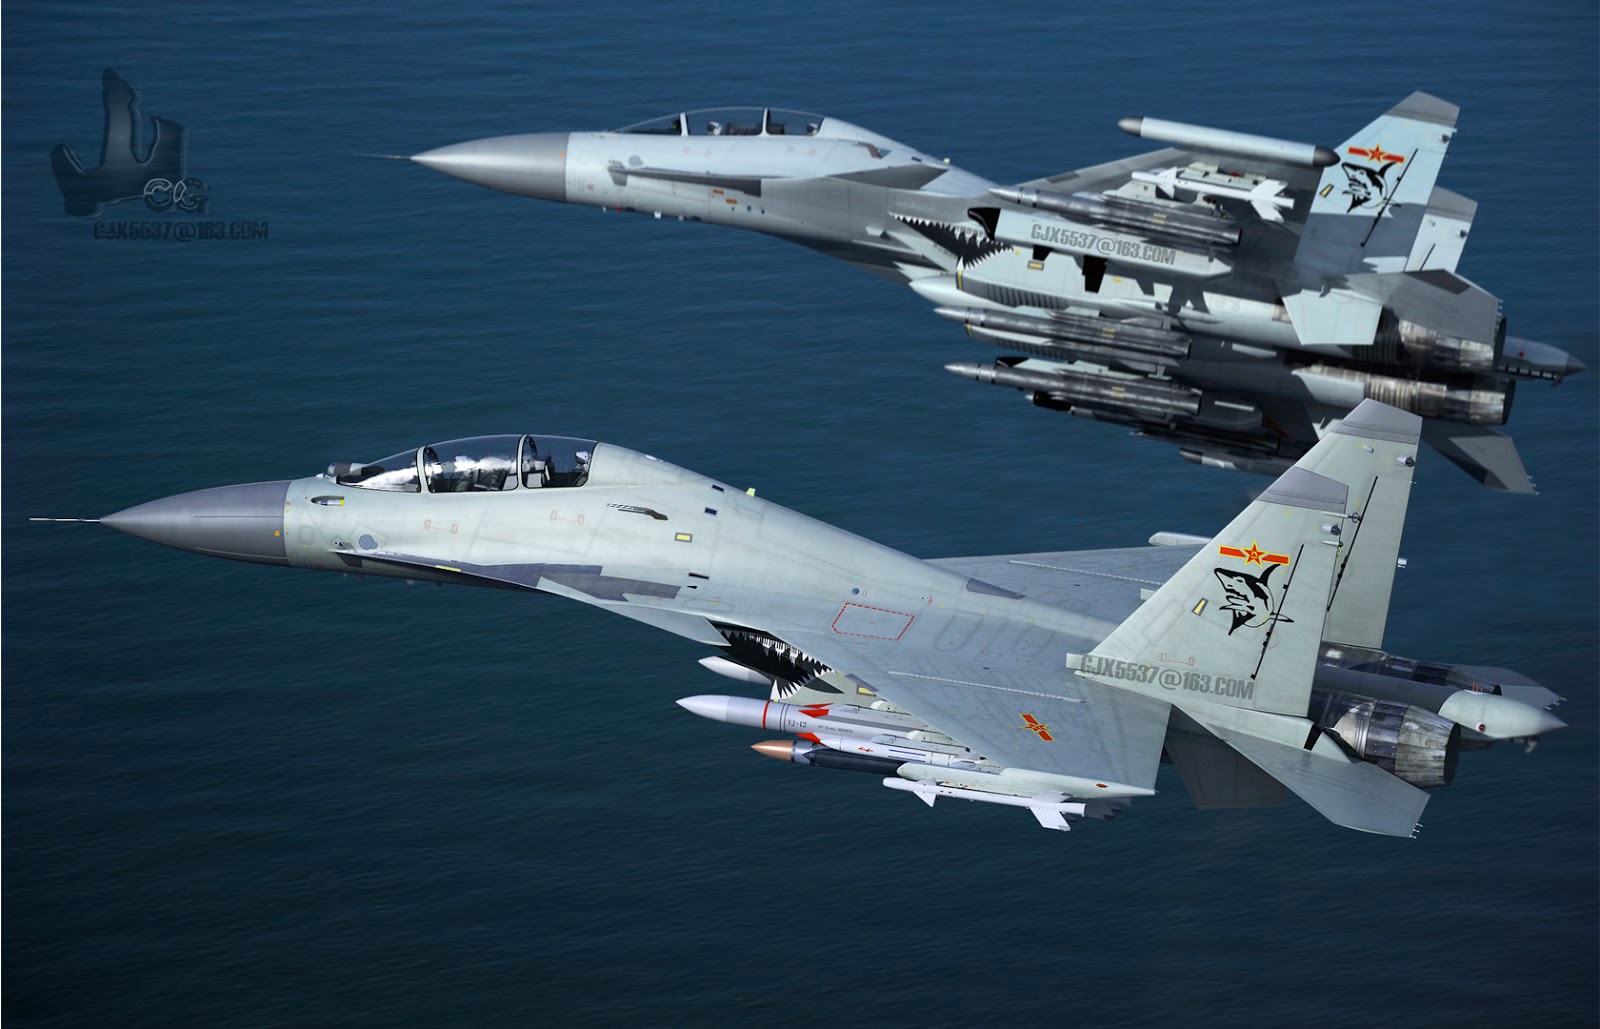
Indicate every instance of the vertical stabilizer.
{"type": "Point", "coordinates": [1232, 640]}
{"type": "Point", "coordinates": [1369, 207]}
{"type": "Point", "coordinates": [1241, 624]}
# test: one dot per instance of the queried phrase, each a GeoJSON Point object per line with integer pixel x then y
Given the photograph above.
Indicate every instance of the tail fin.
{"type": "Point", "coordinates": [1232, 639]}
{"type": "Point", "coordinates": [1369, 207]}
{"type": "Point", "coordinates": [1241, 625]}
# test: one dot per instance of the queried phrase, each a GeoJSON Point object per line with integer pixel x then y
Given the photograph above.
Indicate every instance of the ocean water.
{"type": "Point", "coordinates": [239, 796]}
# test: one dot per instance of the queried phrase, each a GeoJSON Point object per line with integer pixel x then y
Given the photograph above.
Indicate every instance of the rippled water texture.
{"type": "Point", "coordinates": [238, 796]}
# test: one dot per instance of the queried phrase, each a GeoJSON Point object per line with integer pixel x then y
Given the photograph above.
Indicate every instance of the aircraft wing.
{"type": "Point", "coordinates": [1111, 175]}
{"type": "Point", "coordinates": [1105, 583]}
{"type": "Point", "coordinates": [1004, 692]}
{"type": "Point", "coordinates": [1212, 647]}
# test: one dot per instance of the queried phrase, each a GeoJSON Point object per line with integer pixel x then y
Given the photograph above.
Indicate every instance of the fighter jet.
{"type": "Point", "coordinates": [1233, 294]}
{"type": "Point", "coordinates": [1055, 682]}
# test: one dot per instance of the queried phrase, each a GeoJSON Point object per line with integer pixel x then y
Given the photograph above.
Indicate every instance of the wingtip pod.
{"type": "Point", "coordinates": [1223, 141]}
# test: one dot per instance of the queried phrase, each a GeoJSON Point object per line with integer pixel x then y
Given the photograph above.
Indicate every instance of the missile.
{"type": "Point", "coordinates": [1066, 352]}
{"type": "Point", "coordinates": [1052, 810]}
{"type": "Point", "coordinates": [892, 750]}
{"type": "Point", "coordinates": [735, 671]}
{"type": "Point", "coordinates": [1265, 196]}
{"type": "Point", "coordinates": [1105, 332]}
{"type": "Point", "coordinates": [815, 755]}
{"type": "Point", "coordinates": [844, 720]}
{"type": "Point", "coordinates": [1261, 465]}
{"type": "Point", "coordinates": [1186, 226]}
{"type": "Point", "coordinates": [1139, 395]}
{"type": "Point", "coordinates": [1221, 141]}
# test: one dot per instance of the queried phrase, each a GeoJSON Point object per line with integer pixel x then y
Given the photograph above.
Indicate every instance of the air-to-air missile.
{"type": "Point", "coordinates": [1053, 682]}
{"type": "Point", "coordinates": [1234, 294]}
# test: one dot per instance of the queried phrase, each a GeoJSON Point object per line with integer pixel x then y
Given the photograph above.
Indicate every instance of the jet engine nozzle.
{"type": "Point", "coordinates": [1406, 741]}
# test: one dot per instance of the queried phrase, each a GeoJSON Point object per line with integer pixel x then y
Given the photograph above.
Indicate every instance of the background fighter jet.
{"type": "Point", "coordinates": [1235, 295]}
{"type": "Point", "coordinates": [1051, 682]}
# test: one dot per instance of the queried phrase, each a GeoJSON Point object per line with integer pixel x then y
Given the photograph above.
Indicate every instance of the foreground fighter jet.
{"type": "Point", "coordinates": [1052, 682]}
{"type": "Point", "coordinates": [1235, 295]}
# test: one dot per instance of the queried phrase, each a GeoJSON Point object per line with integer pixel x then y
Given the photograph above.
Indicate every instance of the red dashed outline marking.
{"type": "Point", "coordinates": [867, 635]}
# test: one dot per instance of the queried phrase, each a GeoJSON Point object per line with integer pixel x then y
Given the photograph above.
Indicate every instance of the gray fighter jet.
{"type": "Point", "coordinates": [1054, 682]}
{"type": "Point", "coordinates": [1235, 295]}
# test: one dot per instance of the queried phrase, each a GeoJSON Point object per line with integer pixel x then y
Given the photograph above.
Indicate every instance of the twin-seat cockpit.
{"type": "Point", "coordinates": [481, 464]}
{"type": "Point", "coordinates": [731, 121]}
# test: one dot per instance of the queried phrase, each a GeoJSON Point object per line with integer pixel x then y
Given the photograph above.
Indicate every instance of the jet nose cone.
{"type": "Point", "coordinates": [533, 165]}
{"type": "Point", "coordinates": [244, 523]}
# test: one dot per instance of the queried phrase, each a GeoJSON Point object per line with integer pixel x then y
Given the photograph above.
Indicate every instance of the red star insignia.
{"type": "Point", "coordinates": [1253, 555]}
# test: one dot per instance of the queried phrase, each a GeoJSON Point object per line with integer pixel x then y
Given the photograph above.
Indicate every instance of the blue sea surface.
{"type": "Point", "coordinates": [236, 796]}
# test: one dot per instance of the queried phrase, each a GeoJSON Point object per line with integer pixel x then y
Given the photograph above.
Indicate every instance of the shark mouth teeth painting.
{"type": "Point", "coordinates": [969, 246]}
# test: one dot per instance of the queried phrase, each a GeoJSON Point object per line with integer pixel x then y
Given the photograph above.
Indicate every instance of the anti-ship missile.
{"type": "Point", "coordinates": [1137, 394]}
{"type": "Point", "coordinates": [813, 720]}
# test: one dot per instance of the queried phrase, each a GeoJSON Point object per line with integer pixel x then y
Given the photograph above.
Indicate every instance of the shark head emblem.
{"type": "Point", "coordinates": [1248, 598]}
{"type": "Point", "coordinates": [1366, 185]}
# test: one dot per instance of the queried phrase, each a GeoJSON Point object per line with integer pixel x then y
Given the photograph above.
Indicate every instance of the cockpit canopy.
{"type": "Point", "coordinates": [731, 121]}
{"type": "Point", "coordinates": [480, 464]}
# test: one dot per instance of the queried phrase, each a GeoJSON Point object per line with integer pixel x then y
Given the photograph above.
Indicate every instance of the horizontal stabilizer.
{"type": "Point", "coordinates": [1514, 685]}
{"type": "Point", "coordinates": [1443, 234]}
{"type": "Point", "coordinates": [1347, 792]}
{"type": "Point", "coordinates": [1217, 776]}
{"type": "Point", "coordinates": [1441, 300]}
{"type": "Point", "coordinates": [1333, 317]}
{"type": "Point", "coordinates": [1483, 452]}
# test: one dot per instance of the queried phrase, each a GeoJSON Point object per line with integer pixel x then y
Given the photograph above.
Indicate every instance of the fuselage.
{"type": "Point", "coordinates": [624, 531]}
{"type": "Point", "coordinates": [1265, 355]}
{"type": "Point", "coordinates": [646, 534]}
